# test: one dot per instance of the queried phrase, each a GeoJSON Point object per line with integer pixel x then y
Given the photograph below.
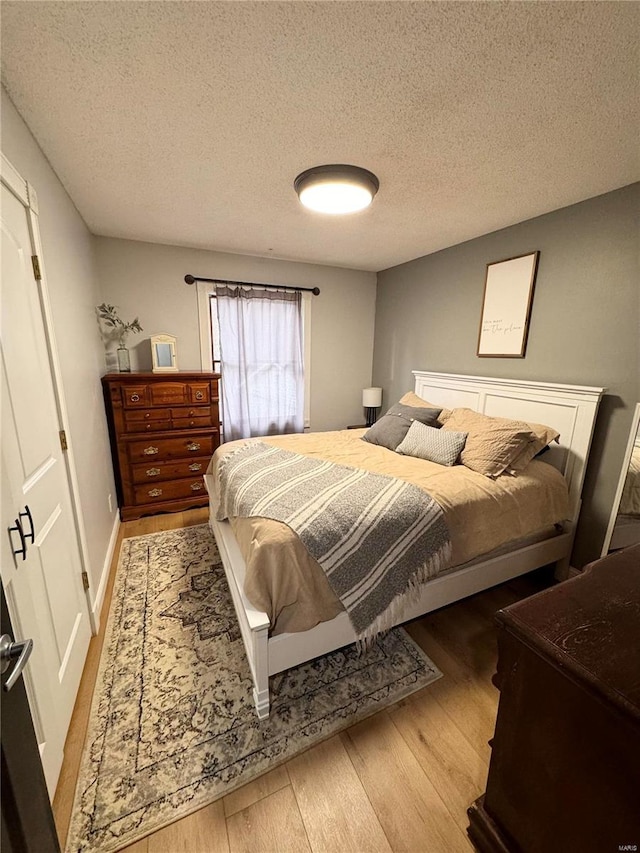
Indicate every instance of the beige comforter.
{"type": "Point", "coordinates": [285, 582]}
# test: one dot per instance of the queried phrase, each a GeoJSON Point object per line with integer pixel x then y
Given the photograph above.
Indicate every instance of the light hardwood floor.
{"type": "Point", "coordinates": [399, 781]}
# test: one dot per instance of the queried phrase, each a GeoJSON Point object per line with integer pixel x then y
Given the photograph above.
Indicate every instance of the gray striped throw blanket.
{"type": "Point", "coordinates": [377, 538]}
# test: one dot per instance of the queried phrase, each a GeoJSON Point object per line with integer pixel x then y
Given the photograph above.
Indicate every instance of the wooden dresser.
{"type": "Point", "coordinates": [565, 763]}
{"type": "Point", "coordinates": [163, 430]}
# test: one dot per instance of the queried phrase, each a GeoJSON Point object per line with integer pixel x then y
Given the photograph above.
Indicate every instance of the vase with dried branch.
{"type": "Point", "coordinates": [118, 329]}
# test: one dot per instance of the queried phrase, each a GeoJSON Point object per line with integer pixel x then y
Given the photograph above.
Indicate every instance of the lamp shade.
{"type": "Point", "coordinates": [371, 397]}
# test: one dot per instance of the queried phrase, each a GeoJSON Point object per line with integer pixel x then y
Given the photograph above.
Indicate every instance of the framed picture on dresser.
{"type": "Point", "coordinates": [163, 354]}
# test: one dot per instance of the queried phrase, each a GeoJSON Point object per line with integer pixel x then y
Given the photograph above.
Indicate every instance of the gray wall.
{"type": "Point", "coordinates": [147, 280]}
{"type": "Point", "coordinates": [584, 324]}
{"type": "Point", "coordinates": [73, 288]}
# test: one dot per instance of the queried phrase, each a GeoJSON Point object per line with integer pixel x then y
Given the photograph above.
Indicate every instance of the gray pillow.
{"type": "Point", "coordinates": [415, 413]}
{"type": "Point", "coordinates": [391, 428]}
{"type": "Point", "coordinates": [435, 445]}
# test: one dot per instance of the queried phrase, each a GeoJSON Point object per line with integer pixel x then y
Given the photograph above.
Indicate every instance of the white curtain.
{"type": "Point", "coordinates": [262, 364]}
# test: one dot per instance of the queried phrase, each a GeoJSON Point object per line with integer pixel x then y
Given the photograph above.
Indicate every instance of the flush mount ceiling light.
{"type": "Point", "coordinates": [336, 189]}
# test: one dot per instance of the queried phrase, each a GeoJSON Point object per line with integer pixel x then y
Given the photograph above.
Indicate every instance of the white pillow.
{"type": "Point", "coordinates": [434, 445]}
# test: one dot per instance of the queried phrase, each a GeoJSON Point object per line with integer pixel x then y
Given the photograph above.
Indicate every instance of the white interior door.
{"type": "Point", "coordinates": [44, 591]}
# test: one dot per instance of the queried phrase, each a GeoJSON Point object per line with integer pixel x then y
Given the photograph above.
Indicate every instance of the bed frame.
{"type": "Point", "coordinates": [571, 409]}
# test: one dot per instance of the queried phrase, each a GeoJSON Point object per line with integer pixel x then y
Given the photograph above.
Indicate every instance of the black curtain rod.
{"type": "Point", "coordinates": [191, 279]}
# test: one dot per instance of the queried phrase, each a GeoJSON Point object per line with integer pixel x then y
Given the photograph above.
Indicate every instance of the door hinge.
{"type": "Point", "coordinates": [63, 440]}
{"type": "Point", "coordinates": [36, 268]}
{"type": "Point", "coordinates": [85, 581]}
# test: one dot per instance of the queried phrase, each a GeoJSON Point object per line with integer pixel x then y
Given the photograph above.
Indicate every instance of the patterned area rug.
{"type": "Point", "coordinates": [173, 726]}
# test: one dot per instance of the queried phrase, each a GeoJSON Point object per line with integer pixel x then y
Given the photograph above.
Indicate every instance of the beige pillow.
{"type": "Point", "coordinates": [492, 443]}
{"type": "Point", "coordinates": [543, 435]}
{"type": "Point", "coordinates": [411, 399]}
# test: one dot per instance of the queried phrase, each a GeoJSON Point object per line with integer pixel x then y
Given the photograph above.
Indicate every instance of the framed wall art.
{"type": "Point", "coordinates": [506, 307]}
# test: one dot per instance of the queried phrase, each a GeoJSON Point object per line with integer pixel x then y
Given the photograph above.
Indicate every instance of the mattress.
{"type": "Point", "coordinates": [482, 515]}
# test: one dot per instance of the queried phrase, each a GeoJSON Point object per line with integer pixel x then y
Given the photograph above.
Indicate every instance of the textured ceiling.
{"type": "Point", "coordinates": [186, 122]}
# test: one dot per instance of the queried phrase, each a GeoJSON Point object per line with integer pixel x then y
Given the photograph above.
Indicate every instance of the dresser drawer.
{"type": "Point", "coordinates": [146, 420]}
{"type": "Point", "coordinates": [147, 415]}
{"type": "Point", "coordinates": [169, 490]}
{"type": "Point", "coordinates": [152, 471]}
{"type": "Point", "coordinates": [148, 426]}
{"type": "Point", "coordinates": [134, 396]}
{"type": "Point", "coordinates": [158, 449]}
{"type": "Point", "coordinates": [186, 423]}
{"type": "Point", "coordinates": [193, 412]}
{"type": "Point", "coordinates": [185, 417]}
{"type": "Point", "coordinates": [199, 392]}
{"type": "Point", "coordinates": [167, 393]}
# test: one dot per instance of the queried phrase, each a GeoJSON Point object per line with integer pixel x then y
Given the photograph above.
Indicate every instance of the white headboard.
{"type": "Point", "coordinates": [571, 409]}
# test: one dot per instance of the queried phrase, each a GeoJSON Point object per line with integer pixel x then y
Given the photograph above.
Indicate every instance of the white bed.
{"type": "Point", "coordinates": [570, 409]}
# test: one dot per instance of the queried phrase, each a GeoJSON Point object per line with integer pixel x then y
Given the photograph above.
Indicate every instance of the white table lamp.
{"type": "Point", "coordinates": [371, 400]}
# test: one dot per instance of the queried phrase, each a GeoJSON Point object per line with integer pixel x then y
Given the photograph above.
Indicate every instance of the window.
{"type": "Point", "coordinates": [211, 355]}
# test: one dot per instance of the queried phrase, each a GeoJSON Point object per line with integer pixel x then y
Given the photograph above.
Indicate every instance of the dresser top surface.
{"type": "Point", "coordinates": [136, 376]}
{"type": "Point", "coordinates": [590, 625]}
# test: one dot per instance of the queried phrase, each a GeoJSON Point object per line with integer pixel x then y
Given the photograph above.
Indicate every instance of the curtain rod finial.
{"type": "Point", "coordinates": [189, 279]}
{"type": "Point", "coordinates": [316, 291]}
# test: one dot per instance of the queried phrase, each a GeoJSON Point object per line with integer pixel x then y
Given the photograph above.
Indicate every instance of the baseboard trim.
{"type": "Point", "coordinates": [96, 606]}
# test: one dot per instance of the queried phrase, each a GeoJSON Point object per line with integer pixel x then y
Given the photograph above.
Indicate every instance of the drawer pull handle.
{"type": "Point", "coordinates": [154, 493]}
{"type": "Point", "coordinates": [199, 395]}
{"type": "Point", "coordinates": [195, 487]}
{"type": "Point", "coordinates": [195, 466]}
{"type": "Point", "coordinates": [150, 451]}
{"type": "Point", "coordinates": [135, 398]}
{"type": "Point", "coordinates": [147, 414]}
{"type": "Point", "coordinates": [193, 446]}
{"type": "Point", "coordinates": [152, 472]}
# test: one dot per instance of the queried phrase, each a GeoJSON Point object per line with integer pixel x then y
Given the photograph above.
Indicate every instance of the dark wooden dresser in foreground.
{"type": "Point", "coordinates": [163, 430]}
{"type": "Point", "coordinates": [565, 765]}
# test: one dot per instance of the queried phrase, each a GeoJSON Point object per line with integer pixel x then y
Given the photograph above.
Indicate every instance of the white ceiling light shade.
{"type": "Point", "coordinates": [336, 189]}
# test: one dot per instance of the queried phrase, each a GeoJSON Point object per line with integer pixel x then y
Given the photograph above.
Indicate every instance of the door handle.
{"type": "Point", "coordinates": [27, 514]}
{"type": "Point", "coordinates": [11, 651]}
{"type": "Point", "coordinates": [23, 542]}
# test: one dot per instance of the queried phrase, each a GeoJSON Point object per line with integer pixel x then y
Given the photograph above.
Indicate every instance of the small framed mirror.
{"type": "Point", "coordinates": [163, 354]}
